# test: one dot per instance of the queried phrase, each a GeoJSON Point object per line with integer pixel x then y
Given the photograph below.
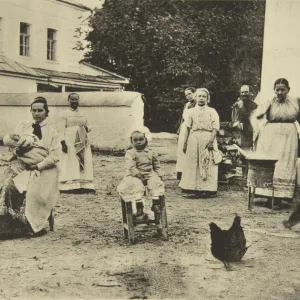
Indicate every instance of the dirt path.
{"type": "Point", "coordinates": [87, 258]}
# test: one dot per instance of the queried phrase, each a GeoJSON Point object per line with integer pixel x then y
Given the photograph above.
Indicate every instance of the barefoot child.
{"type": "Point", "coordinates": [142, 169]}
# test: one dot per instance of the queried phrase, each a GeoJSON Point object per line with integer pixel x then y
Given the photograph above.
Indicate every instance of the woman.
{"type": "Point", "coordinates": [278, 138]}
{"type": "Point", "coordinates": [30, 188]}
{"type": "Point", "coordinates": [200, 174]}
{"type": "Point", "coordinates": [189, 92]}
{"type": "Point", "coordinates": [76, 164]}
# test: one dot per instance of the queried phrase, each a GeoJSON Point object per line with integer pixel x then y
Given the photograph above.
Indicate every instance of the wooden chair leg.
{"type": "Point", "coordinates": [164, 221]}
{"type": "Point", "coordinates": [251, 195]}
{"type": "Point", "coordinates": [130, 224]}
{"type": "Point", "coordinates": [272, 201]}
{"type": "Point", "coordinates": [124, 219]}
{"type": "Point", "coordinates": [51, 221]}
{"type": "Point", "coordinates": [249, 198]}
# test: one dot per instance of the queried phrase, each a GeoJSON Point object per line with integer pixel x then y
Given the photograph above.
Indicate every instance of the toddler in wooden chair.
{"type": "Point", "coordinates": [142, 171]}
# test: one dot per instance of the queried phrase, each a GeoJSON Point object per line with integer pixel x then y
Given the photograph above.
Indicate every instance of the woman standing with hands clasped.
{"type": "Point", "coordinates": [76, 164]}
{"type": "Point", "coordinates": [200, 174]}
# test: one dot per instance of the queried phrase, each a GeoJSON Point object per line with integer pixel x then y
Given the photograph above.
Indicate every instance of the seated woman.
{"type": "Point", "coordinates": [30, 186]}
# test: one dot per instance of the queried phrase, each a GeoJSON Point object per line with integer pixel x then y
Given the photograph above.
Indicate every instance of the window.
{"type": "Point", "coordinates": [24, 39]}
{"type": "Point", "coordinates": [51, 44]}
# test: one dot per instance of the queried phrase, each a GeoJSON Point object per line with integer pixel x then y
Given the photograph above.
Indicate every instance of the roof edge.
{"type": "Point", "coordinates": [104, 70]}
{"type": "Point", "coordinates": [83, 7]}
{"type": "Point", "coordinates": [22, 75]}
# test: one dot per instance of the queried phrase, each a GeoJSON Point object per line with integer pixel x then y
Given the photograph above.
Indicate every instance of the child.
{"type": "Point", "coordinates": [142, 169]}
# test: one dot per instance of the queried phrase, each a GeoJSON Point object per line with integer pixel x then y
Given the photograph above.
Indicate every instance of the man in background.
{"type": "Point", "coordinates": [241, 111]}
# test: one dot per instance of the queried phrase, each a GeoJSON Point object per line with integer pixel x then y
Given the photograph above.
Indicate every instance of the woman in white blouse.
{"type": "Point", "coordinates": [200, 173]}
{"type": "Point", "coordinates": [29, 189]}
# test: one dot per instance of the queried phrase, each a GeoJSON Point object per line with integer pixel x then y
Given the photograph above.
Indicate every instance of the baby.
{"type": "Point", "coordinates": [142, 169]}
{"type": "Point", "coordinates": [27, 151]}
{"type": "Point", "coordinates": [27, 148]}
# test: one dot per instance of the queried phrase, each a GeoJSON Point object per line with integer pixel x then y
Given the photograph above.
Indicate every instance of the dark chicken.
{"type": "Point", "coordinates": [294, 218]}
{"type": "Point", "coordinates": [228, 245]}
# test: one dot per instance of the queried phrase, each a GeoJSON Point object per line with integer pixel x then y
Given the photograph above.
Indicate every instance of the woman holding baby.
{"type": "Point", "coordinates": [30, 187]}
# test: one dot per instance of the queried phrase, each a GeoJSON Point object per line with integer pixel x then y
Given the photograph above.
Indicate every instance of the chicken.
{"type": "Point", "coordinates": [294, 218]}
{"type": "Point", "coordinates": [228, 245]}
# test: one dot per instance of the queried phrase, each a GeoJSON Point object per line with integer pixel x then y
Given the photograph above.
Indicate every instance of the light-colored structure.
{"type": "Point", "coordinates": [111, 115]}
{"type": "Point", "coordinates": [37, 49]}
{"type": "Point", "coordinates": [281, 49]}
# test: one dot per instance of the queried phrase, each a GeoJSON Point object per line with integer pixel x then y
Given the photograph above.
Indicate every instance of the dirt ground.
{"type": "Point", "coordinates": [86, 256]}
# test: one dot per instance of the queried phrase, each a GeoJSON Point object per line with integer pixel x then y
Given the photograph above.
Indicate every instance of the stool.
{"type": "Point", "coordinates": [251, 196]}
{"type": "Point", "coordinates": [130, 225]}
{"type": "Point", "coordinates": [260, 175]}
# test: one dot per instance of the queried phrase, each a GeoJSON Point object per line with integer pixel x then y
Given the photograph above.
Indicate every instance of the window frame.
{"type": "Point", "coordinates": [24, 49]}
{"type": "Point", "coordinates": [52, 45]}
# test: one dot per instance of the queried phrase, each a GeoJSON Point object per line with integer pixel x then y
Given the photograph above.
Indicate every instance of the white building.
{"type": "Point", "coordinates": [37, 58]}
{"type": "Point", "coordinates": [37, 41]}
{"type": "Point", "coordinates": [281, 50]}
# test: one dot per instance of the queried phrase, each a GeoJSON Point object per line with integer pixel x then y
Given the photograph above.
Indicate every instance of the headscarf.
{"type": "Point", "coordinates": [203, 90]}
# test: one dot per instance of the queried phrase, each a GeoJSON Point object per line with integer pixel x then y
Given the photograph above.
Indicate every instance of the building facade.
{"type": "Point", "coordinates": [281, 49]}
{"type": "Point", "coordinates": [38, 49]}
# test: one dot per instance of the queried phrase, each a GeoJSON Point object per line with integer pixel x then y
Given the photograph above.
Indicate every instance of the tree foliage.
{"type": "Point", "coordinates": [164, 46]}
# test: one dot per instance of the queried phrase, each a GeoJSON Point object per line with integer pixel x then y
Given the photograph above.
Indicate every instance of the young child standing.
{"type": "Point", "coordinates": [142, 169]}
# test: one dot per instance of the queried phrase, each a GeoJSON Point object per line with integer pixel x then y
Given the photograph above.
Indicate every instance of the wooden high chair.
{"type": "Point", "coordinates": [131, 226]}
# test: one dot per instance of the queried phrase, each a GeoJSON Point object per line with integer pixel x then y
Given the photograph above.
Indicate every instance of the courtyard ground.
{"type": "Point", "coordinates": [86, 256]}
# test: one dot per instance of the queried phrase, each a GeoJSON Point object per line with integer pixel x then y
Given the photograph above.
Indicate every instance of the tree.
{"type": "Point", "coordinates": [164, 46]}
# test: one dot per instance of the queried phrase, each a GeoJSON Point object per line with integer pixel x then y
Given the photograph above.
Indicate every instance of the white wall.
{"type": "Point", "coordinates": [41, 14]}
{"type": "Point", "coordinates": [110, 125]}
{"type": "Point", "coordinates": [281, 50]}
{"type": "Point", "coordinates": [10, 84]}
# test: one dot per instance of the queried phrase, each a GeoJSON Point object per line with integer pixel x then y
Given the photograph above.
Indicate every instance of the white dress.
{"type": "Point", "coordinates": [71, 176]}
{"type": "Point", "coordinates": [182, 133]}
{"type": "Point", "coordinates": [41, 186]}
{"type": "Point", "coordinates": [200, 172]}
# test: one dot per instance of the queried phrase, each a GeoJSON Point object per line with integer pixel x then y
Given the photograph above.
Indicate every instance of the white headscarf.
{"type": "Point", "coordinates": [202, 90]}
